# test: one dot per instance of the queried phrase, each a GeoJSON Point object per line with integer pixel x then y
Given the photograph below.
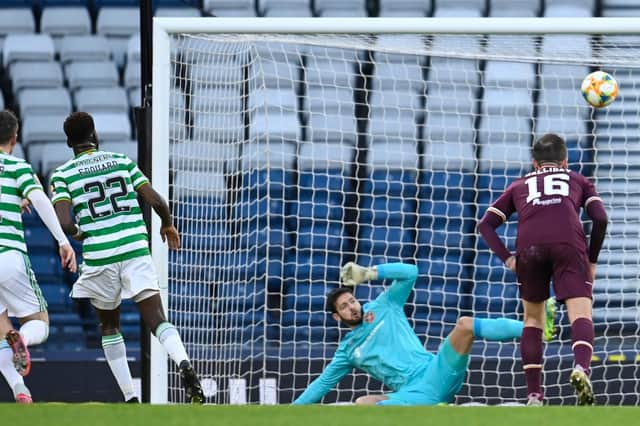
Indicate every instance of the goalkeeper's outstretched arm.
{"type": "Point", "coordinates": [335, 371]}
{"type": "Point", "coordinates": [403, 275]}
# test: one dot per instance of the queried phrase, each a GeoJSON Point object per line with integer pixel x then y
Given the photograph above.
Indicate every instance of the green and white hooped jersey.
{"type": "Point", "coordinates": [101, 187]}
{"type": "Point", "coordinates": [17, 180]}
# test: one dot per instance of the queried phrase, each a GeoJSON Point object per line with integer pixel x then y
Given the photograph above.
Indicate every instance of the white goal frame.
{"type": "Point", "coordinates": [163, 28]}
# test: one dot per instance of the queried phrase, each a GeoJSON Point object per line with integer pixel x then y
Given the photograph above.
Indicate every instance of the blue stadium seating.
{"type": "Point", "coordinates": [57, 296]}
{"type": "Point", "coordinates": [39, 240]}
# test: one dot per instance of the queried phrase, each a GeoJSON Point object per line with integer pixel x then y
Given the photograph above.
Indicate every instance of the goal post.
{"type": "Point", "coordinates": [288, 146]}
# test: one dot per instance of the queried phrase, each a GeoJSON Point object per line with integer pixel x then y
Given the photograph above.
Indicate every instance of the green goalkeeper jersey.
{"type": "Point", "coordinates": [16, 182]}
{"type": "Point", "coordinates": [101, 187]}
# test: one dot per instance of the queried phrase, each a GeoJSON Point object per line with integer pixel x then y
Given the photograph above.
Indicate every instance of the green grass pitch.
{"type": "Point", "coordinates": [184, 415]}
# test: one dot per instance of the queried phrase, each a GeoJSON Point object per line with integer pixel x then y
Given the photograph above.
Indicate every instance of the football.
{"type": "Point", "coordinates": [599, 89]}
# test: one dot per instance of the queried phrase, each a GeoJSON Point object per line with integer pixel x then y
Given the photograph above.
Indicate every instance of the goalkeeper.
{"type": "Point", "coordinates": [383, 344]}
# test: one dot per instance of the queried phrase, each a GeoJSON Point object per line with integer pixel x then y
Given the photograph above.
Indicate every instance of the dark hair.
{"type": "Point", "coordinates": [8, 126]}
{"type": "Point", "coordinates": [80, 129]}
{"type": "Point", "coordinates": [549, 148]}
{"type": "Point", "coordinates": [333, 295]}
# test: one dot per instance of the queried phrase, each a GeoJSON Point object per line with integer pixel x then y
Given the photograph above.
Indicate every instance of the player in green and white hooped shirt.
{"type": "Point", "coordinates": [102, 188]}
{"type": "Point", "coordinates": [20, 295]}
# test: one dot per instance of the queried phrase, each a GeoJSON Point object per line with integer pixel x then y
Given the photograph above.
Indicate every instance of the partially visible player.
{"type": "Point", "coordinates": [383, 344]}
{"type": "Point", "coordinates": [551, 245]}
{"type": "Point", "coordinates": [20, 295]}
{"type": "Point", "coordinates": [102, 188]}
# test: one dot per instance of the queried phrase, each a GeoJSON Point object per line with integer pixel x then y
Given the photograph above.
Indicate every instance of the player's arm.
{"type": "Point", "coordinates": [159, 205]}
{"type": "Point", "coordinates": [31, 189]}
{"type": "Point", "coordinates": [335, 371]}
{"type": "Point", "coordinates": [403, 275]}
{"type": "Point", "coordinates": [495, 216]}
{"type": "Point", "coordinates": [143, 187]}
{"type": "Point", "coordinates": [594, 207]}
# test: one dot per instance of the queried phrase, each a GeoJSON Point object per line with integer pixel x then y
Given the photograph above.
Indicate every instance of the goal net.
{"type": "Point", "coordinates": [287, 155]}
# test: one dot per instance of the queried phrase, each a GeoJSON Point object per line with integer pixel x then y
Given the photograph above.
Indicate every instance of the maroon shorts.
{"type": "Point", "coordinates": [568, 267]}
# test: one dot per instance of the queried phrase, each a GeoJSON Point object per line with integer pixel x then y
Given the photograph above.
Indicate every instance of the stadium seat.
{"type": "Point", "coordinates": [99, 99]}
{"type": "Point", "coordinates": [132, 75]}
{"type": "Point", "coordinates": [331, 67]}
{"type": "Point", "coordinates": [54, 154]}
{"type": "Point", "coordinates": [517, 8]}
{"type": "Point", "coordinates": [89, 48]}
{"type": "Point", "coordinates": [118, 24]}
{"type": "Point", "coordinates": [18, 151]}
{"type": "Point", "coordinates": [274, 74]}
{"type": "Point", "coordinates": [404, 8]}
{"type": "Point", "coordinates": [509, 75]}
{"type": "Point", "coordinates": [177, 12]}
{"type": "Point", "coordinates": [229, 8]}
{"type": "Point", "coordinates": [451, 99]}
{"type": "Point", "coordinates": [91, 74]}
{"type": "Point", "coordinates": [277, 128]}
{"type": "Point", "coordinates": [112, 126]}
{"type": "Point", "coordinates": [447, 185]}
{"type": "Point", "coordinates": [266, 5]}
{"type": "Point", "coordinates": [192, 184]}
{"type": "Point", "coordinates": [35, 75]}
{"type": "Point", "coordinates": [340, 12]}
{"type": "Point", "coordinates": [126, 147]}
{"type": "Point", "coordinates": [44, 102]}
{"type": "Point", "coordinates": [330, 115]}
{"type": "Point", "coordinates": [450, 142]}
{"type": "Point", "coordinates": [569, 9]}
{"type": "Point", "coordinates": [402, 42]}
{"type": "Point", "coordinates": [64, 21]}
{"type": "Point", "coordinates": [17, 20]}
{"type": "Point", "coordinates": [195, 156]}
{"type": "Point", "coordinates": [217, 114]}
{"type": "Point", "coordinates": [505, 142]}
{"type": "Point", "coordinates": [393, 117]}
{"type": "Point", "coordinates": [42, 128]}
{"type": "Point", "coordinates": [39, 240]}
{"type": "Point", "coordinates": [57, 296]}
{"type": "Point", "coordinates": [46, 267]}
{"type": "Point", "coordinates": [27, 47]}
{"type": "Point", "coordinates": [507, 102]}
{"type": "Point", "coordinates": [444, 227]}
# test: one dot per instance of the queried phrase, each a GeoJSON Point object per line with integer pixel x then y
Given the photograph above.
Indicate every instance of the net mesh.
{"type": "Point", "coordinates": [291, 155]}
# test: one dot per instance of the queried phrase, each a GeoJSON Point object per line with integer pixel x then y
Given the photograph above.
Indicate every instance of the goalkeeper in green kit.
{"type": "Point", "coordinates": [383, 344]}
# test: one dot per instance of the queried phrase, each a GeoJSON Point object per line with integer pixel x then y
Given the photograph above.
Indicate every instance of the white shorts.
{"type": "Point", "coordinates": [107, 285]}
{"type": "Point", "coordinates": [19, 291]}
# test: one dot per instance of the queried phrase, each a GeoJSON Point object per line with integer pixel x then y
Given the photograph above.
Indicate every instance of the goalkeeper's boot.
{"type": "Point", "coordinates": [534, 400]}
{"type": "Point", "coordinates": [192, 387]}
{"type": "Point", "coordinates": [581, 383]}
{"type": "Point", "coordinates": [23, 396]}
{"type": "Point", "coordinates": [21, 357]}
{"type": "Point", "coordinates": [551, 309]}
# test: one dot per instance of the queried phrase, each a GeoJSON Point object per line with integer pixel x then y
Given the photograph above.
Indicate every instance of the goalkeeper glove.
{"type": "Point", "coordinates": [353, 274]}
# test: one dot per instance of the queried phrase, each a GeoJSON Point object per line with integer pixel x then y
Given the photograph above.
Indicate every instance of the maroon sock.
{"type": "Point", "coordinates": [531, 351]}
{"type": "Point", "coordinates": [582, 342]}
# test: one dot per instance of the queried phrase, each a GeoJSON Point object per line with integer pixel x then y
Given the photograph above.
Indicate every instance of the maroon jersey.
{"type": "Point", "coordinates": [548, 203]}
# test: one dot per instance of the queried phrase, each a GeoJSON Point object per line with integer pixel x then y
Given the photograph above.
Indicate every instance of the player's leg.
{"type": "Point", "coordinates": [573, 285]}
{"type": "Point", "coordinates": [140, 278]}
{"type": "Point", "coordinates": [7, 369]}
{"type": "Point", "coordinates": [534, 267]}
{"type": "Point", "coordinates": [24, 300]}
{"type": "Point", "coordinates": [115, 350]}
{"type": "Point", "coordinates": [531, 349]}
{"type": "Point", "coordinates": [152, 313]}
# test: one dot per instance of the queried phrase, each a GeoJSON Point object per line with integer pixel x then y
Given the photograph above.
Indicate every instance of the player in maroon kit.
{"type": "Point", "coordinates": [551, 245]}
